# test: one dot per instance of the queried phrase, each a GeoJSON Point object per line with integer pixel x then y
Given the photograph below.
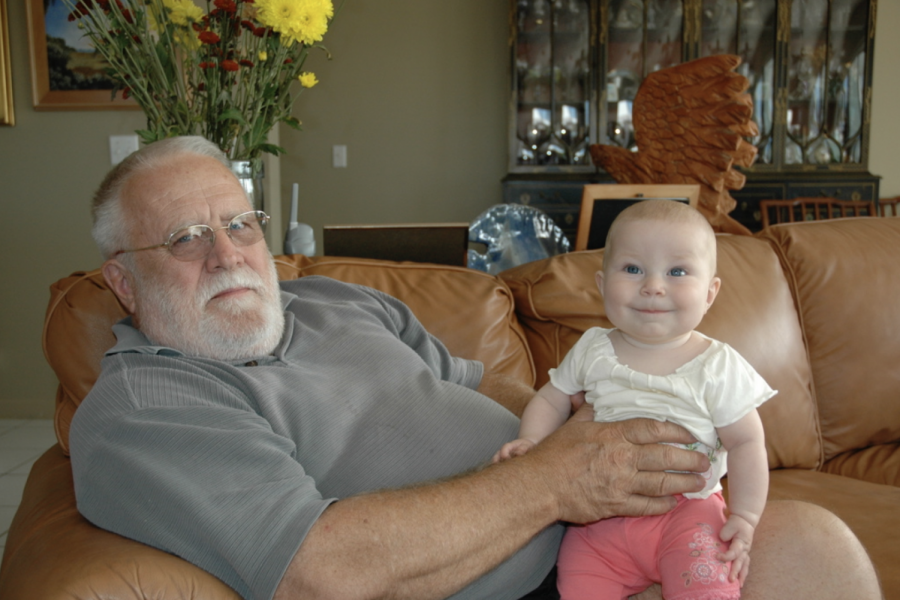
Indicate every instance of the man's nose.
{"type": "Point", "coordinates": [225, 254]}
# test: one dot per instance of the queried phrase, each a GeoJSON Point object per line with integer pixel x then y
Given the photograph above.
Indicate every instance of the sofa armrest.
{"type": "Point", "coordinates": [53, 553]}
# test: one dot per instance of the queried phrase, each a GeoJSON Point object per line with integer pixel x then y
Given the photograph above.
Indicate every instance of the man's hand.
{"type": "Point", "coordinates": [739, 532]}
{"type": "Point", "coordinates": [600, 470]}
{"type": "Point", "coordinates": [514, 448]}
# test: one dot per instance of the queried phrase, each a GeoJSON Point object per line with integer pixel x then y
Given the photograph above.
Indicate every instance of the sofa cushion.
{"type": "Point", "coordinates": [878, 464]}
{"type": "Point", "coordinates": [557, 301]}
{"type": "Point", "coordinates": [844, 274]}
{"type": "Point", "coordinates": [470, 311]}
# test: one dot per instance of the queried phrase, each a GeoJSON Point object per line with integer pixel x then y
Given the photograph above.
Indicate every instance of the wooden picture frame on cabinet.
{"type": "Point", "coordinates": [47, 96]}
{"type": "Point", "coordinates": [600, 203]}
{"type": "Point", "coordinates": [7, 114]}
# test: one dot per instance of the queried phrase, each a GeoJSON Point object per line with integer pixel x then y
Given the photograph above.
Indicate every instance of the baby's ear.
{"type": "Point", "coordinates": [715, 284]}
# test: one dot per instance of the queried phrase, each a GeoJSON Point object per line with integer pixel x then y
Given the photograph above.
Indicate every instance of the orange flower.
{"type": "Point", "coordinates": [230, 65]}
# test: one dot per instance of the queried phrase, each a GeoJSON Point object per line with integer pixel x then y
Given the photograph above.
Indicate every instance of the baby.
{"type": "Point", "coordinates": [658, 281]}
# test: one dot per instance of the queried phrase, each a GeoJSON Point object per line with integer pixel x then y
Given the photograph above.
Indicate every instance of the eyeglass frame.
{"type": "Point", "coordinates": [261, 217]}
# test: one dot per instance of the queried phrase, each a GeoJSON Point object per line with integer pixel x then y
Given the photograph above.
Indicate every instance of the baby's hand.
{"type": "Point", "coordinates": [512, 449]}
{"type": "Point", "coordinates": [740, 533]}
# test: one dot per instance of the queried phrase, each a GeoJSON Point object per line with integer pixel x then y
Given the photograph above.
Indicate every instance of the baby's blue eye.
{"type": "Point", "coordinates": [677, 272]}
{"type": "Point", "coordinates": [633, 270]}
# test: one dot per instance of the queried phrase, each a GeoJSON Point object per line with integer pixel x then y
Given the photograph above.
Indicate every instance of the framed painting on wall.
{"type": "Point", "coordinates": [66, 72]}
{"type": "Point", "coordinates": [7, 116]}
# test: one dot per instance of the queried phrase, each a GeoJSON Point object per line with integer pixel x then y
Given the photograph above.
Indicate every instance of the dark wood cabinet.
{"type": "Point", "coordinates": [577, 65]}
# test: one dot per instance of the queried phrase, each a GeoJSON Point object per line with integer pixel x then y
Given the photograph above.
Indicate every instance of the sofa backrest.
{"type": "Point", "coordinates": [558, 300]}
{"type": "Point", "coordinates": [846, 278]}
{"type": "Point", "coordinates": [471, 312]}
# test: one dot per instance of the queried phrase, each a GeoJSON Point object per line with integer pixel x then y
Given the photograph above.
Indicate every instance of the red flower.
{"type": "Point", "coordinates": [288, 61]}
{"type": "Point", "coordinates": [230, 65]}
{"type": "Point", "coordinates": [207, 64]}
{"type": "Point", "coordinates": [227, 5]}
{"type": "Point", "coordinates": [208, 37]}
{"type": "Point", "coordinates": [201, 87]}
{"type": "Point", "coordinates": [248, 25]}
{"type": "Point", "coordinates": [126, 93]}
{"type": "Point", "coordinates": [246, 63]}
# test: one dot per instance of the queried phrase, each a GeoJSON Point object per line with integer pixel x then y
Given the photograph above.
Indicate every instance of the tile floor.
{"type": "Point", "coordinates": [22, 441]}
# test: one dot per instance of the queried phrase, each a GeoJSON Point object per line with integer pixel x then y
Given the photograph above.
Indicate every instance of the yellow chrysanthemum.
{"type": "Point", "coordinates": [263, 55]}
{"type": "Point", "coordinates": [187, 39]}
{"type": "Point", "coordinates": [304, 21]}
{"type": "Point", "coordinates": [307, 79]}
{"type": "Point", "coordinates": [183, 12]}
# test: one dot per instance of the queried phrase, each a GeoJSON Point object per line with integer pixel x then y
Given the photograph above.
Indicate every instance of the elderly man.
{"type": "Point", "coordinates": [314, 441]}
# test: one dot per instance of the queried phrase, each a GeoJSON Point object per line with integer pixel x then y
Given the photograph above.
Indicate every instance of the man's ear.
{"type": "Point", "coordinates": [714, 285]}
{"type": "Point", "coordinates": [118, 278]}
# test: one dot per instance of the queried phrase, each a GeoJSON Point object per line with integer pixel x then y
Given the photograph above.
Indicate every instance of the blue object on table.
{"type": "Point", "coordinates": [514, 234]}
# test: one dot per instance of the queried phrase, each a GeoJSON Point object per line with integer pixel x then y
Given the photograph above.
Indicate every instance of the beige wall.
{"type": "Point", "coordinates": [416, 90]}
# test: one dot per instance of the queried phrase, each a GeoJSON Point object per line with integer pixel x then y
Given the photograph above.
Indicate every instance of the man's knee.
{"type": "Point", "coordinates": [802, 550]}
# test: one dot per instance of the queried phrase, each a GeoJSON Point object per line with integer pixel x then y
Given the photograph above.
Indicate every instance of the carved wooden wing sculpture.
{"type": "Point", "coordinates": [689, 123]}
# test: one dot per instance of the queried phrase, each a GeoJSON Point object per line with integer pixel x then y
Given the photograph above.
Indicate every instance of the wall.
{"type": "Point", "coordinates": [416, 90]}
{"type": "Point", "coordinates": [883, 155]}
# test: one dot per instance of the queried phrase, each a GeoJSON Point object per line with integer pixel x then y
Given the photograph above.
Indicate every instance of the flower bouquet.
{"type": "Point", "coordinates": [224, 74]}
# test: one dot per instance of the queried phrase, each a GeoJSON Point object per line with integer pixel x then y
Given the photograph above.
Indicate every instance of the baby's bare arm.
{"type": "Point", "coordinates": [748, 485]}
{"type": "Point", "coordinates": [547, 410]}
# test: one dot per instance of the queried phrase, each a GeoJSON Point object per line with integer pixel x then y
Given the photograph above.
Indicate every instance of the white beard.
{"type": "Point", "coordinates": [226, 329]}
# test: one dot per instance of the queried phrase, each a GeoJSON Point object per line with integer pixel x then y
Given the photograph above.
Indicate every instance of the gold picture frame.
{"type": "Point", "coordinates": [591, 232]}
{"type": "Point", "coordinates": [7, 114]}
{"type": "Point", "coordinates": [46, 97]}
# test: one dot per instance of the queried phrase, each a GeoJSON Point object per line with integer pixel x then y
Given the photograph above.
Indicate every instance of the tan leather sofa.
{"type": "Point", "coordinates": [814, 307]}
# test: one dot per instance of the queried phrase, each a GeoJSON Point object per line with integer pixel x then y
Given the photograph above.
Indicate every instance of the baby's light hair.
{"type": "Point", "coordinates": [668, 211]}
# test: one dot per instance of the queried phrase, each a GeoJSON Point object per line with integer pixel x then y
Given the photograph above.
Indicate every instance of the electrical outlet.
{"type": "Point", "coordinates": [339, 156]}
{"type": "Point", "coordinates": [120, 146]}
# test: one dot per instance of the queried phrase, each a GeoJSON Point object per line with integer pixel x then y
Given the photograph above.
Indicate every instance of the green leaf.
{"type": "Point", "coordinates": [272, 149]}
{"type": "Point", "coordinates": [293, 122]}
{"type": "Point", "coordinates": [232, 114]}
{"type": "Point", "coordinates": [148, 137]}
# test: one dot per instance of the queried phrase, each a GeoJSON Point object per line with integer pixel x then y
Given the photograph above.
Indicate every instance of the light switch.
{"type": "Point", "coordinates": [339, 156]}
{"type": "Point", "coordinates": [120, 146]}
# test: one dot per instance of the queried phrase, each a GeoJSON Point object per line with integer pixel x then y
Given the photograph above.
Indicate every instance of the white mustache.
{"type": "Point", "coordinates": [228, 280]}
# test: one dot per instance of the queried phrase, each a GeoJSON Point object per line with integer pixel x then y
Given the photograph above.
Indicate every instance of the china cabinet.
{"type": "Point", "coordinates": [577, 66]}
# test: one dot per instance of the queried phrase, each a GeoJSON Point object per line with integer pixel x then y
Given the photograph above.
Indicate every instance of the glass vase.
{"type": "Point", "coordinates": [250, 181]}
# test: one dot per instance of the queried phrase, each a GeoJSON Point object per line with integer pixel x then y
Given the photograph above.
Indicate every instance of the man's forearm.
{"type": "Point", "coordinates": [431, 541]}
{"type": "Point", "coordinates": [420, 543]}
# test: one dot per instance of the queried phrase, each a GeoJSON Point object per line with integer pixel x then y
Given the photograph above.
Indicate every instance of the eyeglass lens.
{"type": "Point", "coordinates": [196, 241]}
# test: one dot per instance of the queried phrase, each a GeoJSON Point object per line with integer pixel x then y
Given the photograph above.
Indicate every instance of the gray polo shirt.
{"type": "Point", "coordinates": [228, 465]}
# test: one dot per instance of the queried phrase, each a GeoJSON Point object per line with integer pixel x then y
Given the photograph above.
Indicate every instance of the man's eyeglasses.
{"type": "Point", "coordinates": [197, 241]}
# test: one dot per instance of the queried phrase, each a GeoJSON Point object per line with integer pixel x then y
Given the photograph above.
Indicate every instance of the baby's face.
{"type": "Point", "coordinates": [658, 279]}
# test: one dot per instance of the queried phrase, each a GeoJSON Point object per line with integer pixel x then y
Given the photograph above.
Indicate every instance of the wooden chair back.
{"type": "Point", "coordinates": [813, 209]}
{"type": "Point", "coordinates": [887, 207]}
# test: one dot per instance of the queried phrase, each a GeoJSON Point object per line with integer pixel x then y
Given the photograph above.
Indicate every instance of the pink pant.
{"type": "Point", "coordinates": [615, 558]}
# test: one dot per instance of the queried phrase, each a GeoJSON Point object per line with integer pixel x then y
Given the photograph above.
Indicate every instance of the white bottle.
{"type": "Point", "coordinates": [299, 238]}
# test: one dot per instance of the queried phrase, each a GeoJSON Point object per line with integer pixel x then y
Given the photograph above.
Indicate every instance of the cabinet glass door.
{"type": "Point", "coordinates": [642, 36]}
{"type": "Point", "coordinates": [553, 78]}
{"type": "Point", "coordinates": [826, 81]}
{"type": "Point", "coordinates": [747, 28]}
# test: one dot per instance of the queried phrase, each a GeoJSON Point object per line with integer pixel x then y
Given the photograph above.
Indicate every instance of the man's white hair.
{"type": "Point", "coordinates": [110, 232]}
